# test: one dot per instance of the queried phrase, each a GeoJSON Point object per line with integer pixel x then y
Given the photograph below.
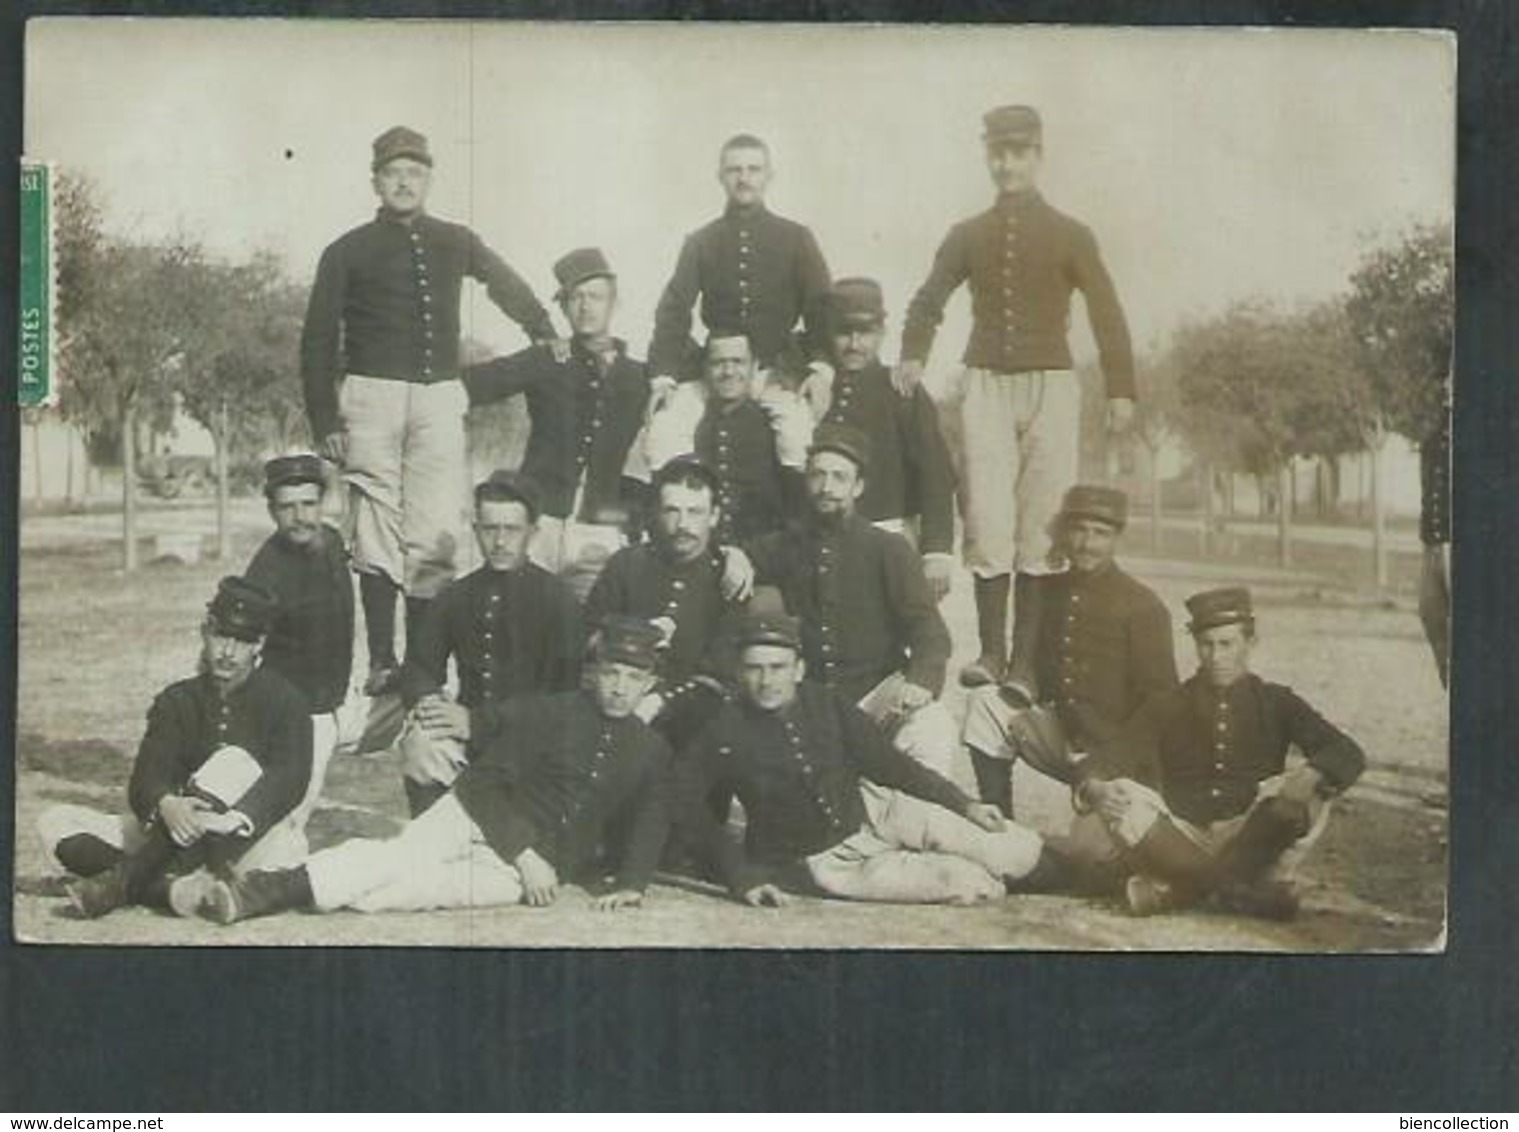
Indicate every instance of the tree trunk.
{"type": "Point", "coordinates": [129, 488]}
{"type": "Point", "coordinates": [1205, 477]}
{"type": "Point", "coordinates": [1284, 512]}
{"type": "Point", "coordinates": [1378, 516]}
{"type": "Point", "coordinates": [223, 530]}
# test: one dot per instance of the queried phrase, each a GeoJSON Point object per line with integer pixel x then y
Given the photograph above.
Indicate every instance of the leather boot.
{"type": "Point", "coordinates": [1184, 870]}
{"type": "Point", "coordinates": [1027, 617]}
{"type": "Point", "coordinates": [420, 796]}
{"type": "Point", "coordinates": [994, 780]}
{"type": "Point", "coordinates": [126, 882]}
{"type": "Point", "coordinates": [1267, 833]}
{"type": "Point", "coordinates": [260, 894]}
{"type": "Point", "coordinates": [991, 627]}
{"type": "Point", "coordinates": [416, 611]}
{"type": "Point", "coordinates": [377, 594]}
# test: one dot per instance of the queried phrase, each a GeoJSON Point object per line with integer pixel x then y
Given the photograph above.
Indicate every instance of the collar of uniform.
{"type": "Point", "coordinates": [579, 348]}
{"type": "Point", "coordinates": [709, 559]}
{"type": "Point", "coordinates": [1207, 694]}
{"type": "Point", "coordinates": [1087, 580]}
{"type": "Point", "coordinates": [716, 408]}
{"type": "Point", "coordinates": [385, 216]}
{"type": "Point", "coordinates": [1019, 201]}
{"type": "Point", "coordinates": [744, 211]}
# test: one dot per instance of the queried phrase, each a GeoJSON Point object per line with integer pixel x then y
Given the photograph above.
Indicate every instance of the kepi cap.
{"type": "Point", "coordinates": [846, 440]}
{"type": "Point", "coordinates": [241, 609]}
{"type": "Point", "coordinates": [298, 467]}
{"type": "Point", "coordinates": [1229, 605]}
{"type": "Point", "coordinates": [1012, 125]}
{"type": "Point", "coordinates": [577, 266]}
{"type": "Point", "coordinates": [397, 142]}
{"type": "Point", "coordinates": [856, 302]}
{"type": "Point", "coordinates": [1093, 501]}
{"type": "Point", "coordinates": [780, 629]}
{"type": "Point", "coordinates": [629, 640]}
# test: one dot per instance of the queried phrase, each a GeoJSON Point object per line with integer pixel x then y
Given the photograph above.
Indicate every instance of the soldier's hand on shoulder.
{"type": "Point", "coordinates": [559, 348]}
{"type": "Point", "coordinates": [987, 816]}
{"type": "Point", "coordinates": [766, 896]}
{"type": "Point", "coordinates": [661, 390]}
{"type": "Point", "coordinates": [443, 719]}
{"type": "Point", "coordinates": [540, 883]}
{"type": "Point", "coordinates": [907, 376]}
{"type": "Point", "coordinates": [738, 574]}
{"type": "Point", "coordinates": [622, 898]}
{"type": "Point", "coordinates": [334, 447]}
{"type": "Point", "coordinates": [913, 697]}
{"type": "Point", "coordinates": [939, 573]}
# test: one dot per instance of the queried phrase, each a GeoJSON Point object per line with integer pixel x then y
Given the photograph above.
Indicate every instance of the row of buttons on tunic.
{"type": "Point", "coordinates": [799, 753]}
{"type": "Point", "coordinates": [603, 748]}
{"type": "Point", "coordinates": [419, 261]}
{"type": "Point", "coordinates": [1221, 742]}
{"type": "Point", "coordinates": [743, 273]}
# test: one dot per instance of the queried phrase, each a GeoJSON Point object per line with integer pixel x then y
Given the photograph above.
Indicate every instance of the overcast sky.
{"type": "Point", "coordinates": [1212, 165]}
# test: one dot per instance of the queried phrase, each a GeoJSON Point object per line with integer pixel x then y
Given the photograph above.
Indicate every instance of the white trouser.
{"type": "Point", "coordinates": [913, 852]}
{"type": "Point", "coordinates": [440, 860]}
{"type": "Point", "coordinates": [1017, 442]}
{"type": "Point", "coordinates": [928, 735]}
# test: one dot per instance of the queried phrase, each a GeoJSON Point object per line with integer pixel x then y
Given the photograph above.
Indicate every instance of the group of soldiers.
{"type": "Point", "coordinates": [716, 576]}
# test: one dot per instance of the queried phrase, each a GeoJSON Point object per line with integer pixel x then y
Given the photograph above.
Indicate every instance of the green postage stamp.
{"type": "Point", "coordinates": [34, 366]}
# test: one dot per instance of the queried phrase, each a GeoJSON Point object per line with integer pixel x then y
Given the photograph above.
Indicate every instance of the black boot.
{"type": "Point", "coordinates": [127, 882]}
{"type": "Point", "coordinates": [1173, 871]}
{"type": "Point", "coordinates": [416, 611]}
{"type": "Point", "coordinates": [1052, 872]}
{"type": "Point", "coordinates": [991, 627]}
{"type": "Point", "coordinates": [260, 894]}
{"type": "Point", "coordinates": [1027, 616]}
{"type": "Point", "coordinates": [994, 780]}
{"type": "Point", "coordinates": [86, 855]}
{"type": "Point", "coordinates": [420, 796]}
{"type": "Point", "coordinates": [377, 594]}
{"type": "Point", "coordinates": [1267, 833]}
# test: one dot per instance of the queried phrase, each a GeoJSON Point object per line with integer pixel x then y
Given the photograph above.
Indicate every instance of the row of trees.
{"type": "Point", "coordinates": [145, 327]}
{"type": "Point", "coordinates": [1248, 390]}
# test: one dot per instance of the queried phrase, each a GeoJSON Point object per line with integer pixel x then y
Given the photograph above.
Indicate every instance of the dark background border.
{"type": "Point", "coordinates": [127, 1030]}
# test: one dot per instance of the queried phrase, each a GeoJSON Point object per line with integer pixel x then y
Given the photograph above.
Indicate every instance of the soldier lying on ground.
{"type": "Point", "coordinates": [560, 776]}
{"type": "Point", "coordinates": [830, 804]}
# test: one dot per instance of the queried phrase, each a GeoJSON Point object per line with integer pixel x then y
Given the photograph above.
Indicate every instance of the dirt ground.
{"type": "Point", "coordinates": [95, 646]}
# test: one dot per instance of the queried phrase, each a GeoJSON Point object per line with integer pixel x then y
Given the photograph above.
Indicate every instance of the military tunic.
{"type": "Point", "coordinates": [190, 720]}
{"type": "Point", "coordinates": [558, 776]}
{"type": "Point", "coordinates": [756, 491]}
{"type": "Point", "coordinates": [1104, 646]}
{"type": "Point", "coordinates": [585, 415]}
{"type": "Point", "coordinates": [755, 272]}
{"type": "Point", "coordinates": [865, 608]}
{"type": "Point", "coordinates": [1023, 259]}
{"type": "Point", "coordinates": [1207, 750]}
{"type": "Point", "coordinates": [311, 641]}
{"type": "Point", "coordinates": [510, 632]}
{"type": "Point", "coordinates": [1434, 482]}
{"type": "Point", "coordinates": [797, 772]}
{"type": "Point", "coordinates": [910, 474]}
{"type": "Point", "coordinates": [386, 304]}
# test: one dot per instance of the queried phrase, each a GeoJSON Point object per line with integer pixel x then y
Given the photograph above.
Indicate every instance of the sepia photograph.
{"type": "Point", "coordinates": [515, 485]}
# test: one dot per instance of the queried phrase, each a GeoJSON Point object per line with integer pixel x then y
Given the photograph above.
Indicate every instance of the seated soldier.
{"type": "Point", "coordinates": [220, 772]}
{"type": "Point", "coordinates": [1090, 645]}
{"type": "Point", "coordinates": [1196, 797]}
{"type": "Point", "coordinates": [562, 775]}
{"type": "Point", "coordinates": [511, 628]}
{"type": "Point", "coordinates": [676, 581]}
{"type": "Point", "coordinates": [870, 625]}
{"type": "Point", "coordinates": [827, 798]}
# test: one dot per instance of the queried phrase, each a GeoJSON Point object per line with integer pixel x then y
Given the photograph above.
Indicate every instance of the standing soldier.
{"type": "Point", "coordinates": [380, 365]}
{"type": "Point", "coordinates": [511, 628]}
{"type": "Point", "coordinates": [1197, 797]}
{"type": "Point", "coordinates": [870, 627]}
{"type": "Point", "coordinates": [911, 486]}
{"type": "Point", "coordinates": [585, 412]}
{"type": "Point", "coordinates": [1017, 402]}
{"type": "Point", "coordinates": [305, 566]}
{"type": "Point", "coordinates": [219, 777]}
{"type": "Point", "coordinates": [1099, 648]}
